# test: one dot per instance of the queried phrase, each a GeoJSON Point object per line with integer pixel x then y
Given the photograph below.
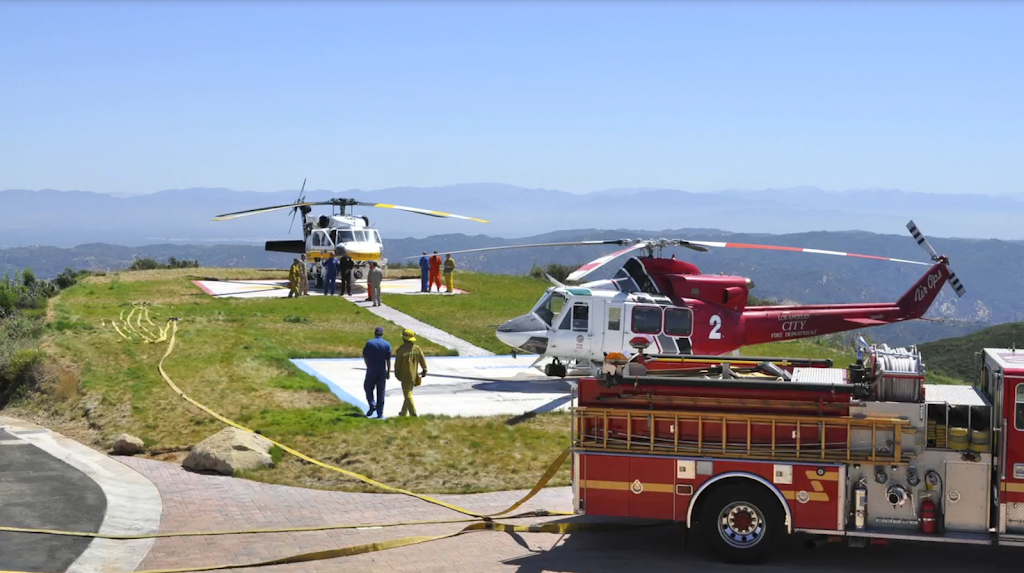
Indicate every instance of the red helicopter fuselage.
{"type": "Point", "coordinates": [722, 321]}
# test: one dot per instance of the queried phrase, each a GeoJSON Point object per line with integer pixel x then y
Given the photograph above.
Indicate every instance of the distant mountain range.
{"type": "Point", "coordinates": [991, 270]}
{"type": "Point", "coordinates": [183, 216]}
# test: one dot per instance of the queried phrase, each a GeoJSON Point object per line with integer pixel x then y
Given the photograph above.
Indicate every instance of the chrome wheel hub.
{"type": "Point", "coordinates": [741, 525]}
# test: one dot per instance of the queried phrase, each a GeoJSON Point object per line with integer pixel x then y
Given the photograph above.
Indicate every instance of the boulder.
{"type": "Point", "coordinates": [128, 445]}
{"type": "Point", "coordinates": [228, 451]}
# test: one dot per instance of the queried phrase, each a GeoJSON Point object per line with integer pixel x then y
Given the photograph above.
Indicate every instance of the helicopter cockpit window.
{"type": "Point", "coordinates": [376, 236]}
{"type": "Point", "coordinates": [317, 241]}
{"type": "Point", "coordinates": [346, 236]}
{"type": "Point", "coordinates": [647, 320]}
{"type": "Point", "coordinates": [550, 308]}
{"type": "Point", "coordinates": [678, 321]}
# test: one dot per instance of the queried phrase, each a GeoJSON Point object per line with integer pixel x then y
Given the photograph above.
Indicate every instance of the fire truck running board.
{"type": "Point", "coordinates": [948, 537]}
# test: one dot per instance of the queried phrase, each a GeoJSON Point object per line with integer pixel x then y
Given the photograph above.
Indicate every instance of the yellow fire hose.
{"type": "Point", "coordinates": [477, 521]}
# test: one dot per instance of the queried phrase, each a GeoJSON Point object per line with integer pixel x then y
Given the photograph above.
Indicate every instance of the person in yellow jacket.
{"type": "Point", "coordinates": [449, 272]}
{"type": "Point", "coordinates": [293, 278]}
{"type": "Point", "coordinates": [407, 358]}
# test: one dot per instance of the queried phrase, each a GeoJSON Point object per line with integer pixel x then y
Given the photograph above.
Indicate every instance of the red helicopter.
{"type": "Point", "coordinates": [669, 304]}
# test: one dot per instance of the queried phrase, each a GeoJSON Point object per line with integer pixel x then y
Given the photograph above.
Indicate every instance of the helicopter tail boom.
{"type": "Point", "coordinates": [296, 246]}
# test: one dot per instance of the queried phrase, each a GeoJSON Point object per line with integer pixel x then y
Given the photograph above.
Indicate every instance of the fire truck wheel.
{"type": "Point", "coordinates": [740, 523]}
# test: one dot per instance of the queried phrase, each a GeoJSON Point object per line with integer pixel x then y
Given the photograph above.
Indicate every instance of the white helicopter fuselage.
{"type": "Point", "coordinates": [584, 323]}
{"type": "Point", "coordinates": [341, 234]}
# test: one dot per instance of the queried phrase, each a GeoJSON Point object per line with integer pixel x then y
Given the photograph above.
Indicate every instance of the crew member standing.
{"type": "Point", "coordinates": [407, 358]}
{"type": "Point", "coordinates": [345, 266]}
{"type": "Point", "coordinates": [377, 357]}
{"type": "Point", "coordinates": [304, 279]}
{"type": "Point", "coordinates": [424, 273]}
{"type": "Point", "coordinates": [449, 270]}
{"type": "Point", "coordinates": [373, 280]}
{"type": "Point", "coordinates": [293, 278]}
{"type": "Point", "coordinates": [330, 274]}
{"type": "Point", "coordinates": [435, 272]}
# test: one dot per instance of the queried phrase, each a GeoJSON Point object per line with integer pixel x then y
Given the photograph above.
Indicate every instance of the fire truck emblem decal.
{"type": "Point", "coordinates": [637, 487]}
{"type": "Point", "coordinates": [803, 497]}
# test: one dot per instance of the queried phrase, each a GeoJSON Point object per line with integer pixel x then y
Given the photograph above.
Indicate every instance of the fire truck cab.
{"type": "Point", "coordinates": [747, 450]}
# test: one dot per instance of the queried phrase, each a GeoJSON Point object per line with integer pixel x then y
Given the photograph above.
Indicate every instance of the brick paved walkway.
{"type": "Point", "coordinates": [201, 502]}
{"type": "Point", "coordinates": [208, 502]}
{"type": "Point", "coordinates": [426, 331]}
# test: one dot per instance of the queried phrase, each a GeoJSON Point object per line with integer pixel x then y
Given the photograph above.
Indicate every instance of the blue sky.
{"type": "Point", "coordinates": [578, 96]}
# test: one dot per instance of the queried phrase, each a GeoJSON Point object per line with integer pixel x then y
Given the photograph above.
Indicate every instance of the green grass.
{"type": "Point", "coordinates": [233, 356]}
{"type": "Point", "coordinates": [492, 300]}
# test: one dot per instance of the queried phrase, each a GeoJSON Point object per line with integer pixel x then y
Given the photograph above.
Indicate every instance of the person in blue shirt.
{"type": "Point", "coordinates": [377, 357]}
{"type": "Point", "coordinates": [330, 274]}
{"type": "Point", "coordinates": [424, 272]}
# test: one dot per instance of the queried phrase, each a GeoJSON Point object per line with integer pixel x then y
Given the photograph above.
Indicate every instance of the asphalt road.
{"type": "Point", "coordinates": [38, 490]}
{"type": "Point", "coordinates": [662, 549]}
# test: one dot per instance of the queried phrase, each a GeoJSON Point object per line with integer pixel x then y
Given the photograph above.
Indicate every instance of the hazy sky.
{"type": "Point", "coordinates": [579, 96]}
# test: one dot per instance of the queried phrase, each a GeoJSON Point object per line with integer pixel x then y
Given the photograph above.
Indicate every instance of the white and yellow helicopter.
{"type": "Point", "coordinates": [340, 233]}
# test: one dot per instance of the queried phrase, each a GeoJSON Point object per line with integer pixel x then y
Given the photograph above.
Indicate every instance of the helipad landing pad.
{"type": "Point", "coordinates": [278, 288]}
{"type": "Point", "coordinates": [513, 387]}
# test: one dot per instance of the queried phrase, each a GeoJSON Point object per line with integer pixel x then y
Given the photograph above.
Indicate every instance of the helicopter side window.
{"type": "Point", "coordinates": [614, 317]}
{"type": "Point", "coordinates": [316, 240]}
{"type": "Point", "coordinates": [376, 236]}
{"type": "Point", "coordinates": [581, 317]}
{"type": "Point", "coordinates": [346, 236]}
{"type": "Point", "coordinates": [550, 308]}
{"type": "Point", "coordinates": [647, 320]}
{"type": "Point", "coordinates": [678, 321]}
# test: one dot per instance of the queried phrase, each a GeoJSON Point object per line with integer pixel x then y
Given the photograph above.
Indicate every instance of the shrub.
{"type": "Point", "coordinates": [558, 271]}
{"type": "Point", "coordinates": [149, 264]}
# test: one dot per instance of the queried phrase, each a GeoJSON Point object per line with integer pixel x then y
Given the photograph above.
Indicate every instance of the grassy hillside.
{"type": "Point", "coordinates": [232, 355]}
{"type": "Point", "coordinates": [955, 357]}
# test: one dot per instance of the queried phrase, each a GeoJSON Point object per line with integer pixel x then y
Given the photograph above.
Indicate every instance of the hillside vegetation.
{"type": "Point", "coordinates": [956, 357]}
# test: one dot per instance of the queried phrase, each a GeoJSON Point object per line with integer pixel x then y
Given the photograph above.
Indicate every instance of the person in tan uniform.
{"type": "Point", "coordinates": [407, 358]}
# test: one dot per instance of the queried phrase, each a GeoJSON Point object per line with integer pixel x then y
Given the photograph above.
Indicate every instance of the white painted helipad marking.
{"type": "Point", "coordinates": [278, 288]}
{"type": "Point", "coordinates": [13, 443]}
{"type": "Point", "coordinates": [514, 388]}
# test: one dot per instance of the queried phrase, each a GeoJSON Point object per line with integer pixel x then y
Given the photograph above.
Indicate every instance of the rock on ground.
{"type": "Point", "coordinates": [128, 445]}
{"type": "Point", "coordinates": [228, 451]}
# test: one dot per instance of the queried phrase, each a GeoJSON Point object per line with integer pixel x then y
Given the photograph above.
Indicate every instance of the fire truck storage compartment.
{"type": "Point", "coordinates": [959, 419]}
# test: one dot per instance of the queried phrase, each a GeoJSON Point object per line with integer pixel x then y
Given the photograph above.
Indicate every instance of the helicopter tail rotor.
{"type": "Point", "coordinates": [954, 282]}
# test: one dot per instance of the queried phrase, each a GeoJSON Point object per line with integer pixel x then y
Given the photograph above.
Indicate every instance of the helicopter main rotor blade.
{"type": "Point", "coordinates": [598, 263]}
{"type": "Point", "coordinates": [800, 250]}
{"type": "Point", "coordinates": [569, 244]}
{"type": "Point", "coordinates": [248, 212]}
{"type": "Point", "coordinates": [428, 212]}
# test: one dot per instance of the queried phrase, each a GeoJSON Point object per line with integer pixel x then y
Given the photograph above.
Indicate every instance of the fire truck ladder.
{"type": "Point", "coordinates": [744, 436]}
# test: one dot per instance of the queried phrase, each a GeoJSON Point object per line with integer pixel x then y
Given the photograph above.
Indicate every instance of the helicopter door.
{"type": "Point", "coordinates": [613, 329]}
{"type": "Point", "coordinates": [575, 335]}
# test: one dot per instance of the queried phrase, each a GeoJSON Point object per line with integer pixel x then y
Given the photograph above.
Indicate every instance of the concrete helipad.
{"type": "Point", "coordinates": [278, 288]}
{"type": "Point", "coordinates": [454, 386]}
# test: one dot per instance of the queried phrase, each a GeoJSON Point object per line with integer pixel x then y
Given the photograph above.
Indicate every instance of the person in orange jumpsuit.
{"type": "Point", "coordinates": [435, 272]}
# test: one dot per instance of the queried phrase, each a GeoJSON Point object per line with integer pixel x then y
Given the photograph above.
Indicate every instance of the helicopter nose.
{"type": "Point", "coordinates": [527, 333]}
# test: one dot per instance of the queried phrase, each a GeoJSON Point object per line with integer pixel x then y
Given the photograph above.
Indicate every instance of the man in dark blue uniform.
{"type": "Point", "coordinates": [330, 274]}
{"type": "Point", "coordinates": [424, 272]}
{"type": "Point", "coordinates": [377, 356]}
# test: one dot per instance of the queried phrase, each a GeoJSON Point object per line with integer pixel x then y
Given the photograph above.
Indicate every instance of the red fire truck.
{"type": "Point", "coordinates": [748, 450]}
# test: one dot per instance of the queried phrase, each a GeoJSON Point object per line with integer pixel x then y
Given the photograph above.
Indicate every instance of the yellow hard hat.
{"type": "Point", "coordinates": [408, 335]}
